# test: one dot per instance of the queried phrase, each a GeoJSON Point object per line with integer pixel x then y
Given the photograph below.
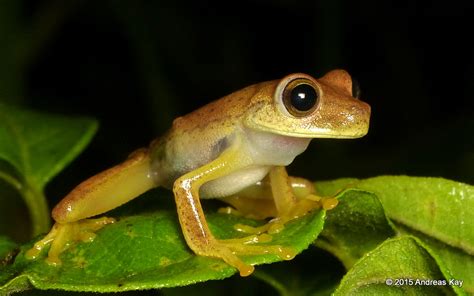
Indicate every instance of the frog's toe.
{"type": "Point", "coordinates": [41, 244]}
{"type": "Point", "coordinates": [329, 203]}
{"type": "Point", "coordinates": [251, 239]}
{"type": "Point", "coordinates": [285, 253]}
{"type": "Point", "coordinates": [250, 229]}
{"type": "Point", "coordinates": [62, 235]}
{"type": "Point", "coordinates": [272, 227]}
{"type": "Point", "coordinates": [95, 224]}
{"type": "Point", "coordinates": [85, 229]}
{"type": "Point", "coordinates": [232, 249]}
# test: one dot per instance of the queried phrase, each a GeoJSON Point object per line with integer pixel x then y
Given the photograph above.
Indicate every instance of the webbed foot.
{"type": "Point", "coordinates": [230, 250]}
{"type": "Point", "coordinates": [62, 235]}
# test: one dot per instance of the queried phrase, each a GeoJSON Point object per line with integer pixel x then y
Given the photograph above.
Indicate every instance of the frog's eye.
{"type": "Point", "coordinates": [300, 97]}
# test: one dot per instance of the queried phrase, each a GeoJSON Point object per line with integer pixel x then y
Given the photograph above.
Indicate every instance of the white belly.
{"type": "Point", "coordinates": [266, 150]}
{"type": "Point", "coordinates": [233, 183]}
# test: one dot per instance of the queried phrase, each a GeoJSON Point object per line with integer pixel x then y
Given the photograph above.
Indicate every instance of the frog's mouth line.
{"type": "Point", "coordinates": [314, 134]}
{"type": "Point", "coordinates": [327, 135]}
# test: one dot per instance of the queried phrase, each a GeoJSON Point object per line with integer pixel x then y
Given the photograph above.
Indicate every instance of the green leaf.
{"type": "Point", "coordinates": [437, 207]}
{"type": "Point", "coordinates": [356, 226]}
{"type": "Point", "coordinates": [454, 263]}
{"type": "Point", "coordinates": [147, 250]}
{"type": "Point", "coordinates": [437, 212]}
{"type": "Point", "coordinates": [393, 268]}
{"type": "Point", "coordinates": [38, 146]}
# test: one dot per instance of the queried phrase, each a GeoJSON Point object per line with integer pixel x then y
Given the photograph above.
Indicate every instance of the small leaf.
{"type": "Point", "coordinates": [356, 226]}
{"type": "Point", "coordinates": [148, 251]}
{"type": "Point", "coordinates": [394, 268]}
{"type": "Point", "coordinates": [40, 145]}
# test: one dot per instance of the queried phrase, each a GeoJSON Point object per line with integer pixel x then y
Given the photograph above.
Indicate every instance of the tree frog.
{"type": "Point", "coordinates": [234, 149]}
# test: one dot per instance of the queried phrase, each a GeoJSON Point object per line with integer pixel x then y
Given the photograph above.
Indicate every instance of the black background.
{"type": "Point", "coordinates": [136, 65]}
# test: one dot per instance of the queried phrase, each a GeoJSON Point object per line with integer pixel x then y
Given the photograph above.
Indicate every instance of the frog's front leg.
{"type": "Point", "coordinates": [193, 222]}
{"type": "Point", "coordinates": [279, 196]}
{"type": "Point", "coordinates": [290, 205]}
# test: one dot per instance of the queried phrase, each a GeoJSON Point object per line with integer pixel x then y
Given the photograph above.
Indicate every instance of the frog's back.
{"type": "Point", "coordinates": [199, 137]}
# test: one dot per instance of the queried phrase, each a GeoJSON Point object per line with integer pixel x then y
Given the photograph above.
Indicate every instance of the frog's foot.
{"type": "Point", "coordinates": [299, 209]}
{"type": "Point", "coordinates": [62, 235]}
{"type": "Point", "coordinates": [277, 224]}
{"type": "Point", "coordinates": [248, 207]}
{"type": "Point", "coordinates": [231, 250]}
{"type": "Point", "coordinates": [251, 239]}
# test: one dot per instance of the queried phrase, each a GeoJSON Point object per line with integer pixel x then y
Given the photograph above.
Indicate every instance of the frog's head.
{"type": "Point", "coordinates": [301, 106]}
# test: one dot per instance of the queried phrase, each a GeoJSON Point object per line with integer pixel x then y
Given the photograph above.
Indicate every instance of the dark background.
{"type": "Point", "coordinates": [136, 65]}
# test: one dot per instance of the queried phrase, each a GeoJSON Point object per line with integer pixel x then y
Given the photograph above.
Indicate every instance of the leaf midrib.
{"type": "Point", "coordinates": [21, 142]}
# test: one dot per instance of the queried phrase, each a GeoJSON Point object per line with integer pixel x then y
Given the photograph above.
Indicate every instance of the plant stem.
{"type": "Point", "coordinates": [38, 208]}
{"type": "Point", "coordinates": [35, 202]}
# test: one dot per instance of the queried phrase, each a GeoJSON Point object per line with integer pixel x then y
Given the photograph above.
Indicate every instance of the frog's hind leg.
{"type": "Point", "coordinates": [98, 194]}
{"type": "Point", "coordinates": [107, 190]}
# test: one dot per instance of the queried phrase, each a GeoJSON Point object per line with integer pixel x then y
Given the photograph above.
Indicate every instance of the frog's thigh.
{"type": "Point", "coordinates": [107, 190]}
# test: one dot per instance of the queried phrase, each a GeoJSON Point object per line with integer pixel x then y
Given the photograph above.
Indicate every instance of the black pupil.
{"type": "Point", "coordinates": [303, 97]}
